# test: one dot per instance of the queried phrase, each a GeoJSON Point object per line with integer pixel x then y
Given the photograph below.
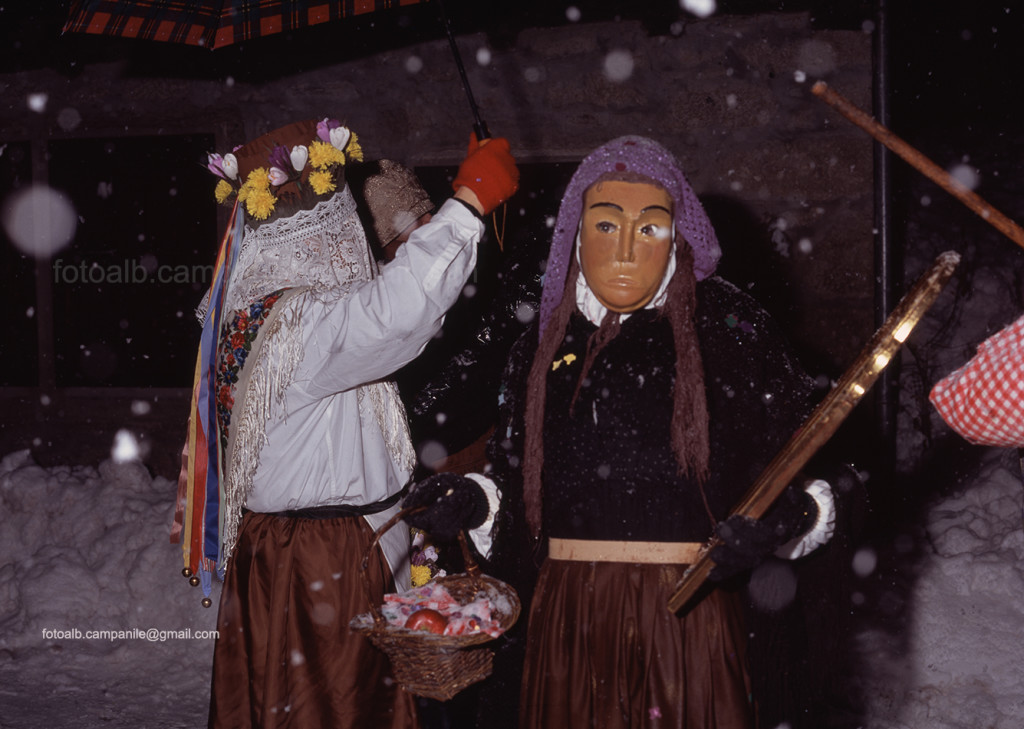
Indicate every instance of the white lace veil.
{"type": "Point", "coordinates": [324, 248]}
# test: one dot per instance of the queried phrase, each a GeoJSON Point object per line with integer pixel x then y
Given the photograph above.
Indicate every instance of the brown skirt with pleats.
{"type": "Point", "coordinates": [285, 657]}
{"type": "Point", "coordinates": [604, 651]}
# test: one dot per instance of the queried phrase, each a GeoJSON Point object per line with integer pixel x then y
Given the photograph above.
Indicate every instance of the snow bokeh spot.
{"type": "Point", "coordinates": [965, 176]}
{"type": "Point", "coordinates": [864, 562]}
{"type": "Point", "coordinates": [432, 452]}
{"type": "Point", "coordinates": [816, 58]}
{"type": "Point", "coordinates": [126, 447]}
{"type": "Point", "coordinates": [37, 101]}
{"type": "Point", "coordinates": [525, 313]}
{"type": "Point", "coordinates": [618, 65]}
{"type": "Point", "coordinates": [413, 64]}
{"type": "Point", "coordinates": [68, 119]}
{"type": "Point", "coordinates": [573, 14]}
{"type": "Point", "coordinates": [700, 8]}
{"type": "Point", "coordinates": [39, 220]}
{"type": "Point", "coordinates": [772, 585]}
{"type": "Point", "coordinates": [323, 613]}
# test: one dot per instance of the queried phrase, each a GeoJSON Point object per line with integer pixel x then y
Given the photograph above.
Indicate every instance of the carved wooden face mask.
{"type": "Point", "coordinates": [625, 242]}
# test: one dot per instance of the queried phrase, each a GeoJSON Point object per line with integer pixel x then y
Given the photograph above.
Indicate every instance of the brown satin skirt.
{"type": "Point", "coordinates": [604, 651]}
{"type": "Point", "coordinates": [285, 656]}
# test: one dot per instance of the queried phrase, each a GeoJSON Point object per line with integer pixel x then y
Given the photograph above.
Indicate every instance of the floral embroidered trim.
{"type": "Point", "coordinates": [236, 342]}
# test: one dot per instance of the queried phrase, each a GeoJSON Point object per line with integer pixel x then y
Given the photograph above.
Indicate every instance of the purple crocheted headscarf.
{"type": "Point", "coordinates": [627, 154]}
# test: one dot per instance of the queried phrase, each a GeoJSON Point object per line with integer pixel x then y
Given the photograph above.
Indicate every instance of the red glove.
{"type": "Point", "coordinates": [490, 171]}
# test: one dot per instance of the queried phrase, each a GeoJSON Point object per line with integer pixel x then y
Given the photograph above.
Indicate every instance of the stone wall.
{"type": "Point", "coordinates": [787, 181]}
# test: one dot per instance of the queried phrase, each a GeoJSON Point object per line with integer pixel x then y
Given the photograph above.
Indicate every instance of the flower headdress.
{"type": "Point", "coordinates": [273, 177]}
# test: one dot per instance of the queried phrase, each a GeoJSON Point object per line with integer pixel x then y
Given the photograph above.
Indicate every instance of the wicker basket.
{"type": "Point", "coordinates": [439, 666]}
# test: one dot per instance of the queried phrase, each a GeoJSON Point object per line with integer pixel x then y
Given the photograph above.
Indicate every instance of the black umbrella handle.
{"type": "Point", "coordinates": [479, 126]}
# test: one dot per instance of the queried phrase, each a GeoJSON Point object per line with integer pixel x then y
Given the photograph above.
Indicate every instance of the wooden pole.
{"type": "Point", "coordinates": [826, 418]}
{"type": "Point", "coordinates": [925, 166]}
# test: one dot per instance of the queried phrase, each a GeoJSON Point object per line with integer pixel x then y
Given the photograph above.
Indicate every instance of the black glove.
{"type": "Point", "coordinates": [746, 542]}
{"type": "Point", "coordinates": [452, 502]}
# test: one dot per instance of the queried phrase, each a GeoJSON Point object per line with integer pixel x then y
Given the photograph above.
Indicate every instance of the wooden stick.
{"type": "Point", "coordinates": [826, 418]}
{"type": "Point", "coordinates": [929, 169]}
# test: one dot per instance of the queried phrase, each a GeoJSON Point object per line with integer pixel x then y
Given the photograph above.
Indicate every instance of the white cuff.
{"type": "Point", "coordinates": [481, 536]}
{"type": "Point", "coordinates": [824, 526]}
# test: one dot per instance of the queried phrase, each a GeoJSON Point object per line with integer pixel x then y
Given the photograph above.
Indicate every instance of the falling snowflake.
{"type": "Point", "coordinates": [525, 313]}
{"type": "Point", "coordinates": [965, 176]}
{"type": "Point", "coordinates": [864, 562]}
{"type": "Point", "coordinates": [39, 220]}
{"type": "Point", "coordinates": [37, 102]}
{"type": "Point", "coordinates": [618, 65]}
{"type": "Point", "coordinates": [432, 453]}
{"type": "Point", "coordinates": [68, 119]}
{"type": "Point", "coordinates": [126, 448]}
{"type": "Point", "coordinates": [413, 64]}
{"type": "Point", "coordinates": [700, 8]}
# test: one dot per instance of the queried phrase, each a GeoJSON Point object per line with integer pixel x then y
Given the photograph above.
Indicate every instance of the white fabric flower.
{"type": "Point", "coordinates": [230, 166]}
{"type": "Point", "coordinates": [340, 137]}
{"type": "Point", "coordinates": [299, 155]}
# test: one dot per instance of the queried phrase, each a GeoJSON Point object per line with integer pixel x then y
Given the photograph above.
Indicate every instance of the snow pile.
{"type": "Point", "coordinates": [94, 613]}
{"type": "Point", "coordinates": [962, 667]}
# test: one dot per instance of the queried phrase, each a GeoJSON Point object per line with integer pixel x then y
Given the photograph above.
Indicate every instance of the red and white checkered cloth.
{"type": "Point", "coordinates": [983, 401]}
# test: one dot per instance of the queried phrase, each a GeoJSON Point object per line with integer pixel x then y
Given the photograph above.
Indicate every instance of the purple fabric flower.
{"type": "Point", "coordinates": [281, 158]}
{"type": "Point", "coordinates": [215, 163]}
{"type": "Point", "coordinates": [639, 155]}
{"type": "Point", "coordinates": [225, 167]}
{"type": "Point", "coordinates": [323, 129]}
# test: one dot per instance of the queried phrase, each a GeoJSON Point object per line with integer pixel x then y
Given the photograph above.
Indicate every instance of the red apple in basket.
{"type": "Point", "coordinates": [428, 620]}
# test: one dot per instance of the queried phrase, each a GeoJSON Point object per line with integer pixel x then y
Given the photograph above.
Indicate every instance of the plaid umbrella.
{"type": "Point", "coordinates": [211, 23]}
{"type": "Point", "coordinates": [219, 23]}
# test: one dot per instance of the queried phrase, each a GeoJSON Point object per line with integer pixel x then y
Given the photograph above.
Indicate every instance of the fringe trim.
{"type": "Point", "coordinates": [392, 419]}
{"type": "Point", "coordinates": [279, 354]}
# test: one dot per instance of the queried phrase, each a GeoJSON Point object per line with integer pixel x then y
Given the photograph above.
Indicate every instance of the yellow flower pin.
{"type": "Point", "coordinates": [567, 359]}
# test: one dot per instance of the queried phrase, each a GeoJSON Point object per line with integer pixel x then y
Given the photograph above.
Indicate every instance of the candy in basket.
{"type": "Point", "coordinates": [467, 610]}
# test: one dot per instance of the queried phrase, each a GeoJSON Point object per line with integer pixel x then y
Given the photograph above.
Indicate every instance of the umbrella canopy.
{"type": "Point", "coordinates": [211, 23]}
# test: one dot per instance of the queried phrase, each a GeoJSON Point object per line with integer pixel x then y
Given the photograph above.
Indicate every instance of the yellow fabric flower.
{"type": "Point", "coordinates": [323, 155]}
{"type": "Point", "coordinates": [258, 179]}
{"type": "Point", "coordinates": [224, 191]}
{"type": "Point", "coordinates": [420, 575]}
{"type": "Point", "coordinates": [321, 181]}
{"type": "Point", "coordinates": [353, 149]}
{"type": "Point", "coordinates": [260, 203]}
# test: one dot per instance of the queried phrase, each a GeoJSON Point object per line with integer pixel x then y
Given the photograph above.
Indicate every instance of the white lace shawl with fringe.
{"type": "Point", "coordinates": [321, 253]}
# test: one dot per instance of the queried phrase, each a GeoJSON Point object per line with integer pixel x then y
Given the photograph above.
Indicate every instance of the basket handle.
{"type": "Point", "coordinates": [472, 568]}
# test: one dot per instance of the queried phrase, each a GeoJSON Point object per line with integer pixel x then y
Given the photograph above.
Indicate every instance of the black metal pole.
{"type": "Point", "coordinates": [887, 393]}
{"type": "Point", "coordinates": [479, 126]}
